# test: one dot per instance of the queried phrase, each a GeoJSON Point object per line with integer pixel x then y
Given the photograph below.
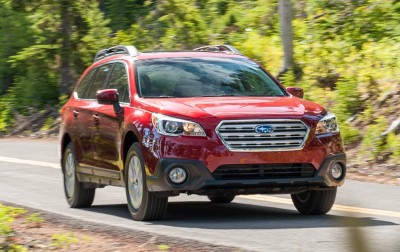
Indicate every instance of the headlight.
{"type": "Point", "coordinates": [328, 124]}
{"type": "Point", "coordinates": [171, 126]}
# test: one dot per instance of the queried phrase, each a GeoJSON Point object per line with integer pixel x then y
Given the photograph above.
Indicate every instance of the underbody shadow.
{"type": "Point", "coordinates": [206, 215]}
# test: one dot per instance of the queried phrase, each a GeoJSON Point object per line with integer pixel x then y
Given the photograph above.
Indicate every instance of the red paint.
{"type": "Point", "coordinates": [298, 92]}
{"type": "Point", "coordinates": [107, 96]}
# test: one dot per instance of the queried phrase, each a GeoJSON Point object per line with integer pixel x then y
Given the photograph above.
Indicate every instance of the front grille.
{"type": "Point", "coordinates": [242, 136]}
{"type": "Point", "coordinates": [264, 171]}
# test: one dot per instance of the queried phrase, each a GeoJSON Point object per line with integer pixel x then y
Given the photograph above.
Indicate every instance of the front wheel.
{"type": "Point", "coordinates": [77, 196]}
{"type": "Point", "coordinates": [314, 202]}
{"type": "Point", "coordinates": [142, 204]}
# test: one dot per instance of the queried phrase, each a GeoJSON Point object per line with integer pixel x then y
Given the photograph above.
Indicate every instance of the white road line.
{"type": "Point", "coordinates": [335, 207]}
{"type": "Point", "coordinates": [30, 162]}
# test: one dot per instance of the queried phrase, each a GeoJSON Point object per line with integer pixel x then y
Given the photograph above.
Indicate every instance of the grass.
{"type": "Point", "coordinates": [34, 219]}
{"type": "Point", "coordinates": [63, 240]}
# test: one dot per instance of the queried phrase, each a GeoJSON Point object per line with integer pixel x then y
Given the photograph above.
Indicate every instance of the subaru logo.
{"type": "Point", "coordinates": [264, 129]}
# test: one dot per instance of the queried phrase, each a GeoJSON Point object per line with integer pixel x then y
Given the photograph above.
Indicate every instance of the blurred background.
{"type": "Point", "coordinates": [345, 54]}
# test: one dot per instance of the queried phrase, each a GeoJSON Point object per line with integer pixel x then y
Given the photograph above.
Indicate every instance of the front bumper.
{"type": "Point", "coordinates": [201, 180]}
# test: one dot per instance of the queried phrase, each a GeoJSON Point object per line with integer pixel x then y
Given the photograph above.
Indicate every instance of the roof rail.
{"type": "Point", "coordinates": [120, 49]}
{"type": "Point", "coordinates": [218, 48]}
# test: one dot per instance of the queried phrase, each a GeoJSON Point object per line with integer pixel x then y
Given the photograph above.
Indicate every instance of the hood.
{"type": "Point", "coordinates": [233, 107]}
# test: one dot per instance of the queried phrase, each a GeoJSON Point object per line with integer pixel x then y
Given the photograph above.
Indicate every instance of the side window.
{"type": "Point", "coordinates": [99, 81]}
{"type": "Point", "coordinates": [119, 81]}
{"type": "Point", "coordinates": [83, 85]}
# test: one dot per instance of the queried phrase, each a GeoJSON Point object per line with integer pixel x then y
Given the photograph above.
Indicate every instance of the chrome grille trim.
{"type": "Point", "coordinates": [240, 135]}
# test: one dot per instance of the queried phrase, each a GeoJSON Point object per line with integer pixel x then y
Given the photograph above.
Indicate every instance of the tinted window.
{"type": "Point", "coordinates": [189, 77]}
{"type": "Point", "coordinates": [83, 85]}
{"type": "Point", "coordinates": [119, 81]}
{"type": "Point", "coordinates": [99, 81]}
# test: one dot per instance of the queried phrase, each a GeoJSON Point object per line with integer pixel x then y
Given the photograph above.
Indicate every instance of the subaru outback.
{"type": "Point", "coordinates": [209, 122]}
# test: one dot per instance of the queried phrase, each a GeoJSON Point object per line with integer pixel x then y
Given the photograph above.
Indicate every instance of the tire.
{"type": "Point", "coordinates": [221, 198]}
{"type": "Point", "coordinates": [142, 204]}
{"type": "Point", "coordinates": [77, 196]}
{"type": "Point", "coordinates": [314, 202]}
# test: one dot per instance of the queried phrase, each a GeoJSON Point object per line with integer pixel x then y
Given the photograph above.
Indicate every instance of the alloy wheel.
{"type": "Point", "coordinates": [69, 174]}
{"type": "Point", "coordinates": [135, 182]}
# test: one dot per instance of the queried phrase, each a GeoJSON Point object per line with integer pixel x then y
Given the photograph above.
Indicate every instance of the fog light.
{"type": "Point", "coordinates": [336, 171]}
{"type": "Point", "coordinates": [177, 175]}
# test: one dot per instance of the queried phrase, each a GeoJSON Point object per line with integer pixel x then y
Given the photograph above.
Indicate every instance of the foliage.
{"type": "Point", "coordinates": [94, 35]}
{"type": "Point", "coordinates": [7, 216]}
{"type": "Point", "coordinates": [60, 46]}
{"type": "Point", "coordinates": [393, 145]}
{"type": "Point", "coordinates": [123, 13]}
{"type": "Point", "coordinates": [349, 133]}
{"type": "Point", "coordinates": [47, 124]}
{"type": "Point", "coordinates": [345, 49]}
{"type": "Point", "coordinates": [373, 141]}
{"type": "Point", "coordinates": [34, 218]}
{"type": "Point", "coordinates": [63, 240]}
{"type": "Point", "coordinates": [6, 112]}
{"type": "Point", "coordinates": [173, 24]}
{"type": "Point", "coordinates": [37, 86]}
{"type": "Point", "coordinates": [14, 36]}
{"type": "Point", "coordinates": [163, 247]}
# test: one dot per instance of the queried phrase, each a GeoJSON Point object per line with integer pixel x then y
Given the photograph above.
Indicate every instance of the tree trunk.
{"type": "Point", "coordinates": [66, 80]}
{"type": "Point", "coordinates": [286, 15]}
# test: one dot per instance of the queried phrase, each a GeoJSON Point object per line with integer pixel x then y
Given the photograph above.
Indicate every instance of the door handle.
{"type": "Point", "coordinates": [96, 119]}
{"type": "Point", "coordinates": [75, 113]}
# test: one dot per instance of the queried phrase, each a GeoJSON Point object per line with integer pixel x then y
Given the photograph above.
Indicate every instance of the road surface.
{"type": "Point", "coordinates": [30, 176]}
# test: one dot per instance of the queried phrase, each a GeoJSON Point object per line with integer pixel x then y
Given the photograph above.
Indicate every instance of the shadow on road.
{"type": "Point", "coordinates": [241, 216]}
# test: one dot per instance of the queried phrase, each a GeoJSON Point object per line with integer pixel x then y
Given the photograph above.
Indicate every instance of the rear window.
{"type": "Point", "coordinates": [191, 77]}
{"type": "Point", "coordinates": [83, 85]}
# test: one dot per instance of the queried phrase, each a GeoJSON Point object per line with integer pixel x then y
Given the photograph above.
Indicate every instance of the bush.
{"type": "Point", "coordinates": [373, 142]}
{"type": "Point", "coordinates": [6, 113]}
{"type": "Point", "coordinates": [7, 215]}
{"type": "Point", "coordinates": [349, 133]}
{"type": "Point", "coordinates": [393, 145]}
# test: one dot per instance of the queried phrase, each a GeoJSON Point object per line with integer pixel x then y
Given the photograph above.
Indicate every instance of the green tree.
{"type": "Point", "coordinates": [63, 41]}
{"type": "Point", "coordinates": [123, 13]}
{"type": "Point", "coordinates": [173, 24]}
{"type": "Point", "coordinates": [15, 34]}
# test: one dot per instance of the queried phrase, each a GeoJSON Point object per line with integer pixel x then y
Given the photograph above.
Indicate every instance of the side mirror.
{"type": "Point", "coordinates": [109, 97]}
{"type": "Point", "coordinates": [295, 91]}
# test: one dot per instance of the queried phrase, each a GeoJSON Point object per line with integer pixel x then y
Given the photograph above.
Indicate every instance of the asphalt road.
{"type": "Point", "coordinates": [30, 176]}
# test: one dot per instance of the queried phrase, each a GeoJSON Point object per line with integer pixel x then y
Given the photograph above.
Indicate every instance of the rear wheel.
{"type": "Point", "coordinates": [77, 196]}
{"type": "Point", "coordinates": [142, 204]}
{"type": "Point", "coordinates": [314, 202]}
{"type": "Point", "coordinates": [221, 198]}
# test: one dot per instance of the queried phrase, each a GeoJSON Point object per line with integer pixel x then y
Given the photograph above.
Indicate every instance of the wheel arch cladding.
{"type": "Point", "coordinates": [66, 139]}
{"type": "Point", "coordinates": [129, 139]}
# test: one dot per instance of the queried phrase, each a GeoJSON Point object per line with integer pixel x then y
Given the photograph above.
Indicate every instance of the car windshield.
{"type": "Point", "coordinates": [203, 77]}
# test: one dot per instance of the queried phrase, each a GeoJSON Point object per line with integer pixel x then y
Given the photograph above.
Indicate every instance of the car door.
{"type": "Point", "coordinates": [82, 117]}
{"type": "Point", "coordinates": [107, 133]}
{"type": "Point", "coordinates": [90, 113]}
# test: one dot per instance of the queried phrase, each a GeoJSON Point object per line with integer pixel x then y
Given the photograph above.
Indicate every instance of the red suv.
{"type": "Point", "coordinates": [208, 122]}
